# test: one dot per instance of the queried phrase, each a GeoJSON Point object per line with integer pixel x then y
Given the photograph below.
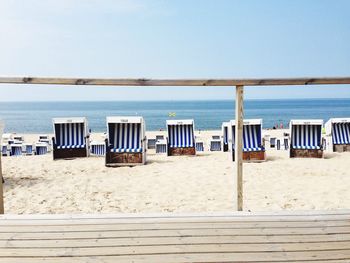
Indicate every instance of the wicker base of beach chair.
{"type": "Point", "coordinates": [306, 153]}
{"type": "Point", "coordinates": [69, 153]}
{"type": "Point", "coordinates": [123, 159]}
{"type": "Point", "coordinates": [256, 156]}
{"type": "Point", "coordinates": [182, 151]}
{"type": "Point", "coordinates": [339, 148]}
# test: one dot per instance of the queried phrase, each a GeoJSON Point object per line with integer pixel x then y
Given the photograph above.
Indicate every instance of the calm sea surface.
{"type": "Point", "coordinates": [35, 117]}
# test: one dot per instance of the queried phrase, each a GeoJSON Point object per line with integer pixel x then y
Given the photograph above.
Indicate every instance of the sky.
{"type": "Point", "coordinates": [173, 39]}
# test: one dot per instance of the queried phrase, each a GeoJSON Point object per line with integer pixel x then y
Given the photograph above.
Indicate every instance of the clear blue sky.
{"type": "Point", "coordinates": [173, 39]}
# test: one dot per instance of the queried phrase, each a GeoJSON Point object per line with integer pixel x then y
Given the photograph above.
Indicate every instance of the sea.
{"type": "Point", "coordinates": [36, 117]}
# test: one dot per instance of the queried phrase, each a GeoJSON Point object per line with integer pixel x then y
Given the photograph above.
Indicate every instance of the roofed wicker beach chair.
{"type": "Point", "coordinates": [215, 143]}
{"type": "Point", "coordinates": [4, 150]}
{"type": "Point", "coordinates": [16, 149]}
{"type": "Point", "coordinates": [306, 138]}
{"type": "Point", "coordinates": [199, 144]}
{"type": "Point", "coordinates": [71, 138]}
{"type": "Point", "coordinates": [339, 130]}
{"type": "Point", "coordinates": [126, 141]}
{"type": "Point", "coordinates": [253, 148]}
{"type": "Point", "coordinates": [28, 148]}
{"type": "Point", "coordinates": [225, 136]}
{"type": "Point", "coordinates": [41, 148]}
{"type": "Point", "coordinates": [98, 148]}
{"type": "Point", "coordinates": [181, 140]}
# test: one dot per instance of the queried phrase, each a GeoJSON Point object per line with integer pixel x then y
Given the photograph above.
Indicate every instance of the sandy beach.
{"type": "Point", "coordinates": [37, 184]}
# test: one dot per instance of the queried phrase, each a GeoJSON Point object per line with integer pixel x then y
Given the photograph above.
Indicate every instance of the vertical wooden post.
{"type": "Point", "coordinates": [1, 190]}
{"type": "Point", "coordinates": [1, 178]}
{"type": "Point", "coordinates": [239, 149]}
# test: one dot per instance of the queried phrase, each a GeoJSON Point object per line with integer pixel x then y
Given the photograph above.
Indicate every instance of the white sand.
{"type": "Point", "coordinates": [37, 184]}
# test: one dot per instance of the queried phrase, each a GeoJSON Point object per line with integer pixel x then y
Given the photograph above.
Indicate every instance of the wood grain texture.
{"type": "Point", "coordinates": [176, 82]}
{"type": "Point", "coordinates": [213, 237]}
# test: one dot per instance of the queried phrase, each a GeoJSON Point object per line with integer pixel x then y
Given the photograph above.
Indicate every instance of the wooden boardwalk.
{"type": "Point", "coordinates": [226, 237]}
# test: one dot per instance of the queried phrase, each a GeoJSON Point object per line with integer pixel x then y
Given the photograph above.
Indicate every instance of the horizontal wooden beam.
{"type": "Point", "coordinates": [174, 82]}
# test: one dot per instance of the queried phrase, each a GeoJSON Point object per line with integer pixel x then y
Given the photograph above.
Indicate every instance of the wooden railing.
{"type": "Point", "coordinates": [239, 83]}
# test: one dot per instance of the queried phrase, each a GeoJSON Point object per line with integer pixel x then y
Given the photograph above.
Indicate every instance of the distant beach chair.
{"type": "Point", "coordinates": [161, 146]}
{"type": "Point", "coordinates": [16, 149]}
{"type": "Point", "coordinates": [215, 143]}
{"type": "Point", "coordinates": [286, 143]}
{"type": "Point", "coordinates": [159, 137]}
{"type": "Point", "coordinates": [41, 148]}
{"type": "Point", "coordinates": [253, 148]}
{"type": "Point", "coordinates": [306, 138]}
{"type": "Point", "coordinates": [71, 138]}
{"type": "Point", "coordinates": [98, 148]}
{"type": "Point", "coordinates": [151, 143]}
{"type": "Point", "coordinates": [339, 130]}
{"type": "Point", "coordinates": [126, 141]}
{"type": "Point", "coordinates": [225, 136]}
{"type": "Point", "coordinates": [272, 142]}
{"type": "Point", "coordinates": [278, 144]}
{"type": "Point", "coordinates": [181, 140]}
{"type": "Point", "coordinates": [28, 148]}
{"type": "Point", "coordinates": [199, 144]}
{"type": "Point", "coordinates": [4, 150]}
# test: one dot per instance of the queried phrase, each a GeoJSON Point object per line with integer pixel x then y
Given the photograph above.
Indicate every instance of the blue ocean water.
{"type": "Point", "coordinates": [35, 117]}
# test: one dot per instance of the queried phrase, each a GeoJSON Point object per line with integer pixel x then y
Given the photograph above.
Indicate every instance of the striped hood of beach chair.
{"type": "Point", "coordinates": [306, 136]}
{"type": "Point", "coordinates": [16, 150]}
{"type": "Point", "coordinates": [181, 135]}
{"type": "Point", "coordinates": [341, 133]}
{"type": "Point", "coordinates": [40, 150]}
{"type": "Point", "coordinates": [251, 138]}
{"type": "Point", "coordinates": [125, 137]}
{"type": "Point", "coordinates": [70, 135]}
{"type": "Point", "coordinates": [98, 149]}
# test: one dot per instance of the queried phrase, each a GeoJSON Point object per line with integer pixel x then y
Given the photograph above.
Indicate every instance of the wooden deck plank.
{"type": "Point", "coordinates": [146, 241]}
{"type": "Point", "coordinates": [169, 226]}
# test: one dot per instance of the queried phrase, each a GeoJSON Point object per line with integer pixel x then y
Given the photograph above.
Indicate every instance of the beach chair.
{"type": "Point", "coordinates": [306, 138]}
{"type": "Point", "coordinates": [253, 148]}
{"type": "Point", "coordinates": [71, 138]}
{"type": "Point", "coordinates": [4, 150]}
{"type": "Point", "coordinates": [151, 143]}
{"type": "Point", "coordinates": [126, 141]}
{"type": "Point", "coordinates": [272, 142]}
{"type": "Point", "coordinates": [161, 146]}
{"type": "Point", "coordinates": [199, 144]}
{"type": "Point", "coordinates": [225, 136]}
{"type": "Point", "coordinates": [286, 143]}
{"type": "Point", "coordinates": [16, 149]}
{"type": "Point", "coordinates": [98, 148]}
{"type": "Point", "coordinates": [28, 149]}
{"type": "Point", "coordinates": [215, 143]}
{"type": "Point", "coordinates": [339, 130]}
{"type": "Point", "coordinates": [181, 140]}
{"type": "Point", "coordinates": [41, 148]}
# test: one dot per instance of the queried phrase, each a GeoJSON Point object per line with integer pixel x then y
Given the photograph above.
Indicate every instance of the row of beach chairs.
{"type": "Point", "coordinates": [305, 138]}
{"type": "Point", "coordinates": [15, 146]}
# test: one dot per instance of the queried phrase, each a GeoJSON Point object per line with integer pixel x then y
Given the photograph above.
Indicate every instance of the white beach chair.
{"type": "Point", "coordinates": [4, 150]}
{"type": "Point", "coordinates": [181, 140]}
{"type": "Point", "coordinates": [151, 143]}
{"type": "Point", "coordinates": [199, 144]}
{"type": "Point", "coordinates": [98, 148]}
{"type": "Point", "coordinates": [126, 141]}
{"type": "Point", "coordinates": [306, 138]}
{"type": "Point", "coordinates": [253, 147]}
{"type": "Point", "coordinates": [215, 143]}
{"type": "Point", "coordinates": [41, 148]}
{"type": "Point", "coordinates": [28, 148]}
{"type": "Point", "coordinates": [16, 149]}
{"type": "Point", "coordinates": [161, 146]}
{"type": "Point", "coordinates": [71, 138]}
{"type": "Point", "coordinates": [339, 130]}
{"type": "Point", "coordinates": [225, 136]}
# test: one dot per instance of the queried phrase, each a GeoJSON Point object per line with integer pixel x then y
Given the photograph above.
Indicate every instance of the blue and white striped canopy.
{"type": "Point", "coordinates": [40, 150]}
{"type": "Point", "coordinates": [181, 135]}
{"type": "Point", "coordinates": [70, 135]}
{"type": "Point", "coordinates": [125, 137]}
{"type": "Point", "coordinates": [341, 133]}
{"type": "Point", "coordinates": [252, 140]}
{"type": "Point", "coordinates": [16, 150]}
{"type": "Point", "coordinates": [98, 149]}
{"type": "Point", "coordinates": [306, 136]}
{"type": "Point", "coordinates": [29, 149]}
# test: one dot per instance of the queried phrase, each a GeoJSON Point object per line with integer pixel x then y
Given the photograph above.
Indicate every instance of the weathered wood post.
{"type": "Point", "coordinates": [1, 185]}
{"type": "Point", "coordinates": [239, 149]}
